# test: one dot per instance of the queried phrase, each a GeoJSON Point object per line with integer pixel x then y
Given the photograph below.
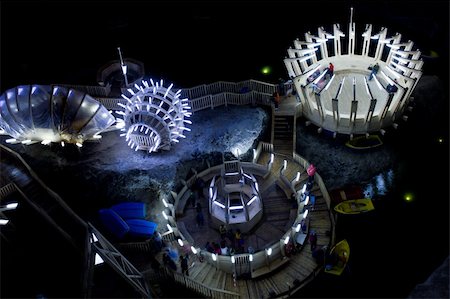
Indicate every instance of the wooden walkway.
{"type": "Point", "coordinates": [277, 220]}
{"type": "Point", "coordinates": [279, 216]}
{"type": "Point", "coordinates": [283, 126]}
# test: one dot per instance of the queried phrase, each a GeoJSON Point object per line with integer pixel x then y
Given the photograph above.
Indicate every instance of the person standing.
{"type": "Point", "coordinates": [331, 69]}
{"type": "Point", "coordinates": [277, 99]}
{"type": "Point", "coordinates": [374, 71]}
{"type": "Point", "coordinates": [184, 265]}
{"type": "Point", "coordinates": [313, 240]}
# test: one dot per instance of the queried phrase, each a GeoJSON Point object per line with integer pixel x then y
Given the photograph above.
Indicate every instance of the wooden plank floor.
{"type": "Point", "coordinates": [272, 227]}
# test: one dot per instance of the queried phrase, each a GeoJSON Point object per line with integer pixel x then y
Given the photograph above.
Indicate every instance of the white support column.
{"type": "Point", "coordinates": [381, 36]}
{"type": "Point", "coordinates": [323, 45]}
{"type": "Point", "coordinates": [366, 42]}
{"type": "Point", "coordinates": [351, 34]}
{"type": "Point", "coordinates": [337, 39]}
{"type": "Point", "coordinates": [395, 41]}
{"type": "Point", "coordinates": [289, 68]}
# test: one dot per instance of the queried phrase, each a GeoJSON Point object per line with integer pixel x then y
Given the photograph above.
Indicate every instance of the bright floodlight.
{"type": "Point", "coordinates": [154, 116]}
{"type": "Point", "coordinates": [46, 114]}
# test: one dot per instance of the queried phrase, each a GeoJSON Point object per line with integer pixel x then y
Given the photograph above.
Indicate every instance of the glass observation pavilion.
{"type": "Point", "coordinates": [234, 198]}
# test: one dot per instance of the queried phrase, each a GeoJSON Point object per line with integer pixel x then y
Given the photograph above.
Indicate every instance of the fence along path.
{"type": "Point", "coordinates": [213, 95]}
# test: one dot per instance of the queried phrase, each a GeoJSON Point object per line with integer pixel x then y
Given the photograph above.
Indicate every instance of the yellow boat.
{"type": "Point", "coordinates": [354, 206]}
{"type": "Point", "coordinates": [338, 257]}
{"type": "Point", "coordinates": [363, 142]}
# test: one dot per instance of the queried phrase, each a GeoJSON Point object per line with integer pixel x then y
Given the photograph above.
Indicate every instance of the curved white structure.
{"type": "Point", "coordinates": [46, 114]}
{"type": "Point", "coordinates": [347, 101]}
{"type": "Point", "coordinates": [234, 198]}
{"type": "Point", "coordinates": [154, 116]}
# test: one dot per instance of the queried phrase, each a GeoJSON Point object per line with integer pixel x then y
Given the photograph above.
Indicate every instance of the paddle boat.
{"type": "Point", "coordinates": [354, 206]}
{"type": "Point", "coordinates": [364, 142]}
{"type": "Point", "coordinates": [337, 259]}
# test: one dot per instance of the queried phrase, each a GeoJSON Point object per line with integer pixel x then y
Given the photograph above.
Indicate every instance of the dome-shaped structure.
{"type": "Point", "coordinates": [154, 116]}
{"type": "Point", "coordinates": [334, 79]}
{"type": "Point", "coordinates": [45, 113]}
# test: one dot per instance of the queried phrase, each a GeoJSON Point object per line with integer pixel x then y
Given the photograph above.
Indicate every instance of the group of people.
{"type": "Point", "coordinates": [230, 242]}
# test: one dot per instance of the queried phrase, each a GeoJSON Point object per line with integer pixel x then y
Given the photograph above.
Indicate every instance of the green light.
{"type": "Point", "coordinates": [266, 70]}
{"type": "Point", "coordinates": [408, 196]}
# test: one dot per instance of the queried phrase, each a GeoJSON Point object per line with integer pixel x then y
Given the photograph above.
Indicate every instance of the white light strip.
{"type": "Point", "coordinates": [378, 83]}
{"type": "Point", "coordinates": [286, 240]}
{"type": "Point", "coordinates": [271, 158]}
{"type": "Point", "coordinates": [297, 228]}
{"type": "Point", "coordinates": [250, 257]}
{"type": "Point", "coordinates": [169, 227]}
{"type": "Point", "coordinates": [165, 215]}
{"type": "Point", "coordinates": [252, 200]}
{"type": "Point", "coordinates": [232, 259]}
{"type": "Point", "coordinates": [180, 242]}
{"type": "Point", "coordinates": [329, 82]}
{"type": "Point", "coordinates": [94, 238]}
{"type": "Point", "coordinates": [98, 259]}
{"type": "Point", "coordinates": [269, 251]}
{"type": "Point", "coordinates": [3, 221]}
{"type": "Point", "coordinates": [214, 257]}
{"type": "Point", "coordinates": [307, 200]}
{"type": "Point", "coordinates": [387, 78]}
{"type": "Point", "coordinates": [305, 214]}
{"type": "Point", "coordinates": [11, 140]}
{"type": "Point", "coordinates": [367, 87]}
{"type": "Point", "coordinates": [304, 188]}
{"type": "Point", "coordinates": [235, 207]}
{"type": "Point", "coordinates": [219, 204]}
{"type": "Point", "coordinates": [342, 86]}
{"type": "Point", "coordinates": [12, 205]}
{"type": "Point", "coordinates": [304, 58]}
{"type": "Point", "coordinates": [194, 251]}
{"type": "Point", "coordinates": [320, 77]}
{"type": "Point", "coordinates": [297, 178]}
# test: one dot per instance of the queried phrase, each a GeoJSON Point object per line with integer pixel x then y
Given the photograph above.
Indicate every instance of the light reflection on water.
{"type": "Point", "coordinates": [379, 184]}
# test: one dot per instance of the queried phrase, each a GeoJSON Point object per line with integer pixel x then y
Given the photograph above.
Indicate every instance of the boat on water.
{"type": "Point", "coordinates": [355, 206]}
{"type": "Point", "coordinates": [337, 259]}
{"type": "Point", "coordinates": [345, 193]}
{"type": "Point", "coordinates": [364, 142]}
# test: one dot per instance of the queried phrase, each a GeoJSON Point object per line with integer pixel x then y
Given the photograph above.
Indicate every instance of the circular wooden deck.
{"type": "Point", "coordinates": [279, 217]}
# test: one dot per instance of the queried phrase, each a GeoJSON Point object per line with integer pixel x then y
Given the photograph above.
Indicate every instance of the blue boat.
{"type": "Point", "coordinates": [141, 228]}
{"type": "Point", "coordinates": [114, 223]}
{"type": "Point", "coordinates": [131, 210]}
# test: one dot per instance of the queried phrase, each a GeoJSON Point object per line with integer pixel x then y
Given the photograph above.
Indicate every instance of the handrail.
{"type": "Point", "coordinates": [7, 189]}
{"type": "Point", "coordinates": [53, 194]}
{"type": "Point", "coordinates": [213, 95]}
{"type": "Point", "coordinates": [200, 287]}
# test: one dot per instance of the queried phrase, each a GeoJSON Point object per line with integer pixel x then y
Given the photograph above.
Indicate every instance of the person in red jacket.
{"type": "Point", "coordinates": [331, 69]}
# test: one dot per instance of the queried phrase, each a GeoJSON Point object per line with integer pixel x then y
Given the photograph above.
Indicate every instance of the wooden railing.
{"type": "Point", "coordinates": [7, 190]}
{"type": "Point", "coordinates": [204, 96]}
{"type": "Point", "coordinates": [200, 287]}
{"type": "Point", "coordinates": [188, 282]}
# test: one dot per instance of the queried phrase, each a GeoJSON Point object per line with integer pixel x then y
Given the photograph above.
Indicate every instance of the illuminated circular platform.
{"type": "Point", "coordinates": [349, 100]}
